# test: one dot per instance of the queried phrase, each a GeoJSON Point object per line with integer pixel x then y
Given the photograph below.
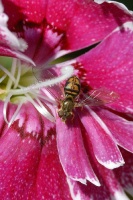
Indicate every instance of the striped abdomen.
{"type": "Point", "coordinates": [72, 87]}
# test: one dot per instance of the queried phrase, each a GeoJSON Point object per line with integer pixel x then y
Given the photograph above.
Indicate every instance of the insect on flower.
{"type": "Point", "coordinates": [72, 90]}
{"type": "Point", "coordinates": [73, 96]}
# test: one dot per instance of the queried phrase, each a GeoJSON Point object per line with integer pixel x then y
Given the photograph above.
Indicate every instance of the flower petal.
{"type": "Point", "coordinates": [7, 37]}
{"type": "Point", "coordinates": [28, 119]}
{"type": "Point", "coordinates": [33, 11]}
{"type": "Point", "coordinates": [16, 54]}
{"type": "Point", "coordinates": [104, 147]}
{"type": "Point", "coordinates": [124, 174]}
{"type": "Point", "coordinates": [113, 69]}
{"type": "Point", "coordinates": [87, 192]}
{"type": "Point", "coordinates": [10, 44]}
{"type": "Point", "coordinates": [72, 152]}
{"type": "Point", "coordinates": [51, 180]}
{"type": "Point", "coordinates": [118, 4]}
{"type": "Point", "coordinates": [110, 187]}
{"type": "Point", "coordinates": [18, 161]}
{"type": "Point", "coordinates": [74, 19]}
{"type": "Point", "coordinates": [80, 191]}
{"type": "Point", "coordinates": [46, 46]}
{"type": "Point", "coordinates": [84, 30]}
{"type": "Point", "coordinates": [2, 122]}
{"type": "Point", "coordinates": [120, 128]}
{"type": "Point", "coordinates": [10, 111]}
{"type": "Point", "coordinates": [20, 156]}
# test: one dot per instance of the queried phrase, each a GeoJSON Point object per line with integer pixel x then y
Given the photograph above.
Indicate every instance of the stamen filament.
{"type": "Point", "coordinates": [16, 113]}
{"type": "Point", "coordinates": [13, 69]}
{"type": "Point", "coordinates": [19, 94]}
{"type": "Point", "coordinates": [18, 75]}
{"type": "Point", "coordinates": [44, 98]}
{"type": "Point", "coordinates": [7, 73]}
{"type": "Point", "coordinates": [2, 78]}
{"type": "Point", "coordinates": [49, 116]}
{"type": "Point", "coordinates": [7, 100]}
{"type": "Point", "coordinates": [41, 109]}
{"type": "Point", "coordinates": [66, 73]}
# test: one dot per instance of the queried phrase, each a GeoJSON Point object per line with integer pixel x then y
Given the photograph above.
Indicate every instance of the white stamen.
{"type": "Point", "coordinates": [15, 114]}
{"type": "Point", "coordinates": [25, 70]}
{"type": "Point", "coordinates": [50, 95]}
{"type": "Point", "coordinates": [44, 98]}
{"type": "Point", "coordinates": [13, 69]}
{"type": "Point", "coordinates": [18, 75]}
{"type": "Point", "coordinates": [7, 100]}
{"type": "Point", "coordinates": [66, 73]}
{"type": "Point", "coordinates": [40, 108]}
{"type": "Point", "coordinates": [8, 73]}
{"type": "Point", "coordinates": [31, 93]}
{"type": "Point", "coordinates": [48, 115]}
{"type": "Point", "coordinates": [2, 78]}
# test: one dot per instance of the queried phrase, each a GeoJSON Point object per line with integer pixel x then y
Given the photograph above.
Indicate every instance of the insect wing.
{"type": "Point", "coordinates": [99, 97]}
{"type": "Point", "coordinates": [43, 74]}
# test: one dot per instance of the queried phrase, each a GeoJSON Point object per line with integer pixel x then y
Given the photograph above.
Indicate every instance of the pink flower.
{"type": "Point", "coordinates": [40, 156]}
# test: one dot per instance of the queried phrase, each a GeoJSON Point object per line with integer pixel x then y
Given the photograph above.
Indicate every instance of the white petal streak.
{"type": "Point", "coordinates": [119, 5]}
{"type": "Point", "coordinates": [7, 100]}
{"type": "Point", "coordinates": [110, 159]}
{"type": "Point", "coordinates": [7, 37]}
{"type": "Point", "coordinates": [76, 196]}
{"type": "Point", "coordinates": [111, 165]}
{"type": "Point", "coordinates": [120, 195]}
{"type": "Point", "coordinates": [127, 26]}
{"type": "Point", "coordinates": [10, 39]}
{"type": "Point", "coordinates": [99, 120]}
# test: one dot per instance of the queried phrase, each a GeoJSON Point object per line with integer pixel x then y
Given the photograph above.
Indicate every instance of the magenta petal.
{"type": "Point", "coordinates": [111, 187]}
{"type": "Point", "coordinates": [113, 182]}
{"type": "Point", "coordinates": [84, 30]}
{"type": "Point", "coordinates": [7, 38]}
{"type": "Point", "coordinates": [2, 122]}
{"type": "Point", "coordinates": [110, 65]}
{"type": "Point", "coordinates": [124, 174]}
{"type": "Point", "coordinates": [80, 191]}
{"type": "Point", "coordinates": [33, 11]}
{"type": "Point", "coordinates": [11, 109]}
{"type": "Point", "coordinates": [9, 147]}
{"type": "Point", "coordinates": [120, 128]}
{"type": "Point", "coordinates": [104, 147]}
{"type": "Point", "coordinates": [18, 161]}
{"type": "Point", "coordinates": [10, 44]}
{"type": "Point", "coordinates": [46, 46]}
{"type": "Point", "coordinates": [16, 54]}
{"type": "Point", "coordinates": [26, 167]}
{"type": "Point", "coordinates": [72, 153]}
{"type": "Point", "coordinates": [51, 179]}
{"type": "Point", "coordinates": [74, 19]}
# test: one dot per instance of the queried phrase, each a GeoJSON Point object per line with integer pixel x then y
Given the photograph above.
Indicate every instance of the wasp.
{"type": "Point", "coordinates": [74, 97]}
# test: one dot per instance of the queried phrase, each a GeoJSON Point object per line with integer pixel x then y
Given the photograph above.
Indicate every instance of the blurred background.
{"type": "Point", "coordinates": [128, 3]}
